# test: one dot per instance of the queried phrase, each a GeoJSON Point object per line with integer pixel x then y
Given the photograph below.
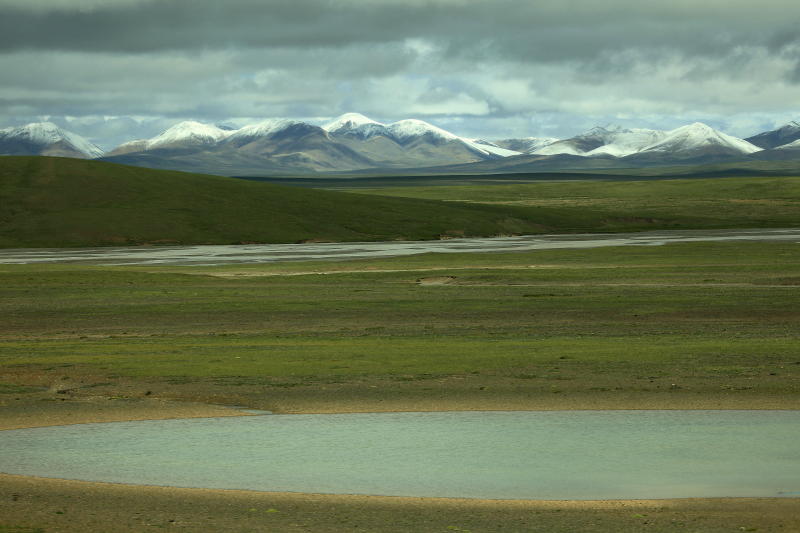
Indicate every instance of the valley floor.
{"type": "Point", "coordinates": [29, 504]}
{"type": "Point", "coordinates": [683, 326]}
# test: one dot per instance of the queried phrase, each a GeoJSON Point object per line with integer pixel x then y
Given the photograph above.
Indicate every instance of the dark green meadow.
{"type": "Point", "coordinates": [698, 319]}
{"type": "Point", "coordinates": [60, 202]}
{"type": "Point", "coordinates": [685, 203]}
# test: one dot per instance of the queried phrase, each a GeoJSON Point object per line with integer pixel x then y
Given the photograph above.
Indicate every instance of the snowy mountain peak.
{"type": "Point", "coordinates": [697, 127]}
{"type": "Point", "coordinates": [409, 128]}
{"type": "Point", "coordinates": [789, 128]}
{"type": "Point", "coordinates": [605, 130]}
{"type": "Point", "coordinates": [265, 127]}
{"type": "Point", "coordinates": [189, 131]}
{"type": "Point", "coordinates": [348, 121]}
{"type": "Point", "coordinates": [44, 134]}
{"type": "Point", "coordinates": [699, 136]}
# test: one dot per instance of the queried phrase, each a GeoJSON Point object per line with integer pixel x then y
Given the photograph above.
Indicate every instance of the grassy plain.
{"type": "Point", "coordinates": [674, 322]}
{"type": "Point", "coordinates": [694, 325]}
{"type": "Point", "coordinates": [700, 325]}
{"type": "Point", "coordinates": [687, 203]}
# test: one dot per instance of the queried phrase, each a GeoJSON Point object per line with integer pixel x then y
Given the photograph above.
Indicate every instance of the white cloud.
{"type": "Point", "coordinates": [541, 68]}
{"type": "Point", "coordinates": [68, 5]}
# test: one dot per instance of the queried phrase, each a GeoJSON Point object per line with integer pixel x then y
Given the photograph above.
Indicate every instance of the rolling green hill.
{"type": "Point", "coordinates": [55, 202]}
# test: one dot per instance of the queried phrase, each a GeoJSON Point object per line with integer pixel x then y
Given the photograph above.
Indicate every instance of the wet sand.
{"type": "Point", "coordinates": [64, 505]}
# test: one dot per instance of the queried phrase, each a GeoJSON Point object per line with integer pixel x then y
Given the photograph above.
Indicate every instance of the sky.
{"type": "Point", "coordinates": [114, 70]}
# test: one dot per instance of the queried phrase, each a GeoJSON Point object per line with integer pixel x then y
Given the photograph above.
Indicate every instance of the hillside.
{"type": "Point", "coordinates": [55, 202]}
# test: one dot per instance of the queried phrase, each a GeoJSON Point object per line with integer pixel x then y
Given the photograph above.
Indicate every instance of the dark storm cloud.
{"type": "Point", "coordinates": [542, 31]}
{"type": "Point", "coordinates": [198, 24]}
{"type": "Point", "coordinates": [538, 67]}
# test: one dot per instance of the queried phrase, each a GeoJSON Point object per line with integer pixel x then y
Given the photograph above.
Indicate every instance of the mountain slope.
{"type": "Point", "coordinates": [615, 141]}
{"type": "Point", "coordinates": [187, 136]}
{"type": "Point", "coordinates": [795, 145]}
{"type": "Point", "coordinates": [786, 134]}
{"type": "Point", "coordinates": [351, 142]}
{"type": "Point", "coordinates": [48, 201]}
{"type": "Point", "coordinates": [694, 143]}
{"type": "Point", "coordinates": [45, 138]}
{"type": "Point", "coordinates": [268, 147]}
{"type": "Point", "coordinates": [524, 145]}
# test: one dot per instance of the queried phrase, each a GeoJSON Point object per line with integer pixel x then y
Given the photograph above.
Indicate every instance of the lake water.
{"type": "Point", "coordinates": [496, 455]}
{"type": "Point", "coordinates": [266, 253]}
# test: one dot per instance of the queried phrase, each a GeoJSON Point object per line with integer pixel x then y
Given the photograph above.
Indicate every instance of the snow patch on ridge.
{"type": "Point", "coordinates": [488, 148]}
{"type": "Point", "coordinates": [790, 146]}
{"type": "Point", "coordinates": [525, 145]}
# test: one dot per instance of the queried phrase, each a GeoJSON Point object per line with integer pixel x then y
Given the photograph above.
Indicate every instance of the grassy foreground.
{"type": "Point", "coordinates": [702, 325]}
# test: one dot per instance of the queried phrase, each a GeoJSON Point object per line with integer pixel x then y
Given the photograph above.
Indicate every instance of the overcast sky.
{"type": "Point", "coordinates": [117, 69]}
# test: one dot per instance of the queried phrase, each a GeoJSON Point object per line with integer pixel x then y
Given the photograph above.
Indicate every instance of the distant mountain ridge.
{"type": "Point", "coordinates": [45, 138]}
{"type": "Point", "coordinates": [782, 136]}
{"type": "Point", "coordinates": [350, 142]}
{"type": "Point", "coordinates": [353, 142]}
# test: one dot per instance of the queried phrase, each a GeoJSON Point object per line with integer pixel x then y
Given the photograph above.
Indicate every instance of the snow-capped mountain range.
{"type": "Point", "coordinates": [45, 138]}
{"type": "Point", "coordinates": [620, 142]}
{"type": "Point", "coordinates": [354, 142]}
{"type": "Point", "coordinates": [189, 133]}
{"type": "Point", "coordinates": [406, 131]}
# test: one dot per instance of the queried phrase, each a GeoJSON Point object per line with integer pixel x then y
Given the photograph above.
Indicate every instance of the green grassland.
{"type": "Point", "coordinates": [697, 203]}
{"type": "Point", "coordinates": [58, 202]}
{"type": "Point", "coordinates": [690, 325]}
{"type": "Point", "coordinates": [70, 202]}
{"type": "Point", "coordinates": [699, 318]}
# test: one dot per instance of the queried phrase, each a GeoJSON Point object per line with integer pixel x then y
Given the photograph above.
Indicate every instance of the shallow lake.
{"type": "Point", "coordinates": [267, 253]}
{"type": "Point", "coordinates": [514, 455]}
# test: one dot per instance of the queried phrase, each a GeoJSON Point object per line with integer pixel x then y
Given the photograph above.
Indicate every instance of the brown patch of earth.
{"type": "Point", "coordinates": [436, 280]}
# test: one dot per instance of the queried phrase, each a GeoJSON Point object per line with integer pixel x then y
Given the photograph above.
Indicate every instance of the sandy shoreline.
{"type": "Point", "coordinates": [65, 505]}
